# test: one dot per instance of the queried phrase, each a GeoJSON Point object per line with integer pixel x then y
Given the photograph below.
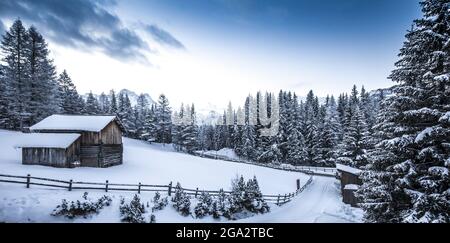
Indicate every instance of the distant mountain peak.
{"type": "Point", "coordinates": [133, 96]}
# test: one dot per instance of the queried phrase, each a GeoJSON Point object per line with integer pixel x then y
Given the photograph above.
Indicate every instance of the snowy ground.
{"type": "Point", "coordinates": [155, 164]}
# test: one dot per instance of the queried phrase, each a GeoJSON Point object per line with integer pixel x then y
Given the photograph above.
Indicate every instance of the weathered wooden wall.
{"type": "Point", "coordinates": [96, 149]}
{"type": "Point", "coordinates": [56, 157]}
{"type": "Point", "coordinates": [104, 155]}
{"type": "Point", "coordinates": [348, 197]}
{"type": "Point", "coordinates": [44, 156]}
{"type": "Point", "coordinates": [111, 134]}
{"type": "Point", "coordinates": [348, 178]}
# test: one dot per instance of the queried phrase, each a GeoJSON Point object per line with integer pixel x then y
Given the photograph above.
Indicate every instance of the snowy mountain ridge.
{"type": "Point", "coordinates": [133, 96]}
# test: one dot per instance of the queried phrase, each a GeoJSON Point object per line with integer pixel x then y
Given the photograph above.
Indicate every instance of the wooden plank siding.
{"type": "Point", "coordinates": [55, 157]}
{"type": "Point", "coordinates": [93, 149]}
{"type": "Point", "coordinates": [349, 178]}
{"type": "Point", "coordinates": [103, 149]}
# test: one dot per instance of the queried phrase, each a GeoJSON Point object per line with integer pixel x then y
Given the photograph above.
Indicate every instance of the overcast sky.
{"type": "Point", "coordinates": [213, 51]}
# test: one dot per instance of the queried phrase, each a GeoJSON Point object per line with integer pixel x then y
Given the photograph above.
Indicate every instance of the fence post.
{"type": "Point", "coordinates": [70, 185]}
{"type": "Point", "coordinates": [106, 187]}
{"type": "Point", "coordinates": [285, 198]}
{"type": "Point", "coordinates": [298, 184]}
{"type": "Point", "coordinates": [139, 188]}
{"type": "Point", "coordinates": [170, 189]}
{"type": "Point", "coordinates": [196, 192]}
{"type": "Point", "coordinates": [278, 200]}
{"type": "Point", "coordinates": [28, 180]}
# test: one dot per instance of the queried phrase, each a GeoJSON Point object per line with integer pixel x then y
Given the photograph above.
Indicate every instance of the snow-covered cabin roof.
{"type": "Point", "coordinates": [73, 123]}
{"type": "Point", "coordinates": [348, 169]}
{"type": "Point", "coordinates": [47, 140]}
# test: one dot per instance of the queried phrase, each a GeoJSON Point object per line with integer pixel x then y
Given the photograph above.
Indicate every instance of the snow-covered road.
{"type": "Point", "coordinates": [319, 203]}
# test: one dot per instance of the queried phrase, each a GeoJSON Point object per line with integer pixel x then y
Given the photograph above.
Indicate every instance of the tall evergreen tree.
{"type": "Point", "coordinates": [104, 103]}
{"type": "Point", "coordinates": [329, 134]}
{"type": "Point", "coordinates": [408, 180]}
{"type": "Point", "coordinates": [15, 48]}
{"type": "Point", "coordinates": [44, 99]}
{"type": "Point", "coordinates": [164, 121]}
{"type": "Point", "coordinates": [69, 97]}
{"type": "Point", "coordinates": [92, 106]}
{"type": "Point", "coordinates": [113, 108]}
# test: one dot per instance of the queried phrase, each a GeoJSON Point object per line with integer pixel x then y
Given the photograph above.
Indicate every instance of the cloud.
{"type": "Point", "coordinates": [163, 37]}
{"type": "Point", "coordinates": [87, 24]}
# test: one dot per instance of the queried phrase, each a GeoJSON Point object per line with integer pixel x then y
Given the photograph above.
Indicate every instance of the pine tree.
{"type": "Point", "coordinates": [4, 100]}
{"type": "Point", "coordinates": [150, 132]}
{"type": "Point", "coordinates": [126, 115]}
{"type": "Point", "coordinates": [69, 97]}
{"type": "Point", "coordinates": [15, 48]}
{"type": "Point", "coordinates": [181, 201]}
{"type": "Point", "coordinates": [92, 106]}
{"type": "Point", "coordinates": [204, 206]}
{"type": "Point", "coordinates": [164, 122]}
{"type": "Point", "coordinates": [254, 201]}
{"type": "Point", "coordinates": [44, 99]}
{"type": "Point", "coordinates": [411, 181]}
{"type": "Point", "coordinates": [113, 109]}
{"type": "Point", "coordinates": [356, 140]}
{"type": "Point", "coordinates": [104, 103]}
{"type": "Point", "coordinates": [329, 135]}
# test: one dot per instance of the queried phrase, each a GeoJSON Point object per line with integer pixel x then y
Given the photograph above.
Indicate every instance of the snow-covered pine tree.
{"type": "Point", "coordinates": [140, 113]}
{"type": "Point", "coordinates": [237, 196]}
{"type": "Point", "coordinates": [150, 127]}
{"type": "Point", "coordinates": [4, 100]}
{"type": "Point", "coordinates": [311, 130]}
{"type": "Point", "coordinates": [177, 128]}
{"type": "Point", "coordinates": [15, 49]}
{"type": "Point", "coordinates": [164, 121]}
{"type": "Point", "coordinates": [238, 130]}
{"type": "Point", "coordinates": [248, 134]}
{"type": "Point", "coordinates": [329, 134]}
{"type": "Point", "coordinates": [92, 106]}
{"type": "Point", "coordinates": [69, 97]}
{"type": "Point", "coordinates": [411, 181]}
{"type": "Point", "coordinates": [284, 106]}
{"type": "Point", "coordinates": [113, 110]}
{"type": "Point", "coordinates": [190, 129]}
{"type": "Point", "coordinates": [44, 99]}
{"type": "Point", "coordinates": [204, 206]}
{"type": "Point", "coordinates": [181, 201]}
{"type": "Point", "coordinates": [356, 140]}
{"type": "Point", "coordinates": [104, 103]}
{"type": "Point", "coordinates": [126, 115]}
{"type": "Point", "coordinates": [255, 202]}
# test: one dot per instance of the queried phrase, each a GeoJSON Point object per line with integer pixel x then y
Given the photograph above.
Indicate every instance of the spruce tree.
{"type": "Point", "coordinates": [411, 181]}
{"type": "Point", "coordinates": [15, 49]}
{"type": "Point", "coordinates": [44, 100]}
{"type": "Point", "coordinates": [113, 110]}
{"type": "Point", "coordinates": [329, 134]}
{"type": "Point", "coordinates": [164, 120]}
{"type": "Point", "coordinates": [69, 97]}
{"type": "Point", "coordinates": [92, 106]}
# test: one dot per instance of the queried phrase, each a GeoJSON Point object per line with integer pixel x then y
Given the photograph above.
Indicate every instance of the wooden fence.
{"type": "Point", "coordinates": [107, 186]}
{"type": "Point", "coordinates": [311, 170]}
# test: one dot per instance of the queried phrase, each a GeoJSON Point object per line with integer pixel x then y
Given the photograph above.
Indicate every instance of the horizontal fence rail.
{"type": "Point", "coordinates": [311, 170]}
{"type": "Point", "coordinates": [106, 186]}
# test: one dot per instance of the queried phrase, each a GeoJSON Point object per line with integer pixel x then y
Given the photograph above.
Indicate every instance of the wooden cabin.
{"type": "Point", "coordinates": [57, 150]}
{"type": "Point", "coordinates": [350, 182]}
{"type": "Point", "coordinates": [100, 137]}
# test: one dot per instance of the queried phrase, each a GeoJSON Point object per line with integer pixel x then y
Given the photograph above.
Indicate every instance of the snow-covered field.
{"type": "Point", "coordinates": [157, 164]}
